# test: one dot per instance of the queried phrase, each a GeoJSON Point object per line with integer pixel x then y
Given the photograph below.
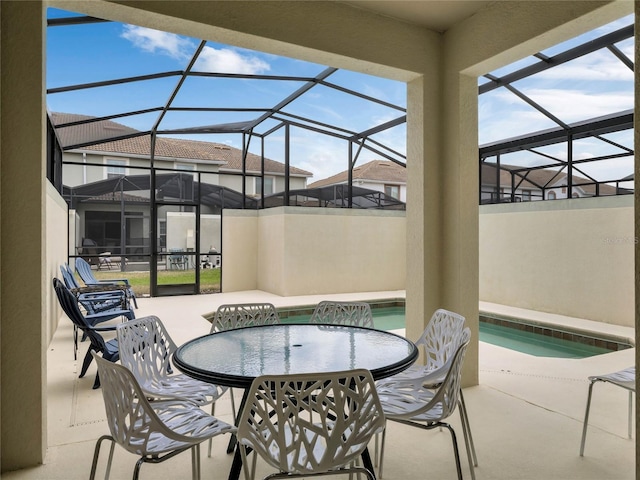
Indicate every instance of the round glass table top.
{"type": "Point", "coordinates": [235, 357]}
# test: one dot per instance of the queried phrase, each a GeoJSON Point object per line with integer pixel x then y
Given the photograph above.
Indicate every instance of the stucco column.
{"type": "Point", "coordinates": [442, 206]}
{"type": "Point", "coordinates": [22, 156]}
{"type": "Point", "coordinates": [424, 204]}
{"type": "Point", "coordinates": [460, 211]}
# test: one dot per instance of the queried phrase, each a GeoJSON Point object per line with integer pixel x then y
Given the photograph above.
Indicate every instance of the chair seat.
{"type": "Point", "coordinates": [398, 403]}
{"type": "Point", "coordinates": [298, 461]}
{"type": "Point", "coordinates": [183, 418]}
{"type": "Point", "coordinates": [182, 386]}
{"type": "Point", "coordinates": [111, 352]}
{"type": "Point", "coordinates": [624, 378]}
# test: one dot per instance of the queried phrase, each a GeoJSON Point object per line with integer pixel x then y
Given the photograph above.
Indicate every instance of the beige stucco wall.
{"type": "Point", "coordinates": [239, 250]}
{"type": "Point", "coordinates": [292, 251]}
{"type": "Point", "coordinates": [570, 257]}
{"type": "Point", "coordinates": [56, 248]}
{"type": "Point", "coordinates": [323, 250]}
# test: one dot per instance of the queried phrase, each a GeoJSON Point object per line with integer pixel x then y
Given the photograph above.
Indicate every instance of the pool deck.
{"type": "Point", "coordinates": [526, 414]}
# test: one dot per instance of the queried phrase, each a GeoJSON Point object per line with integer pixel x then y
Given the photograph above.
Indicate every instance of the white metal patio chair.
{"type": "Point", "coordinates": [438, 344]}
{"type": "Point", "coordinates": [343, 313]}
{"type": "Point", "coordinates": [414, 404]}
{"type": "Point", "coordinates": [155, 431]}
{"type": "Point", "coordinates": [310, 424]}
{"type": "Point", "coordinates": [625, 379]}
{"type": "Point", "coordinates": [146, 349]}
{"type": "Point", "coordinates": [232, 316]}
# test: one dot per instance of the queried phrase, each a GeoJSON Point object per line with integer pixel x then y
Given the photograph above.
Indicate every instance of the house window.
{"type": "Point", "coordinates": [186, 167]}
{"type": "Point", "coordinates": [526, 195]}
{"type": "Point", "coordinates": [162, 234]}
{"type": "Point", "coordinates": [392, 191]}
{"type": "Point", "coordinates": [115, 168]}
{"type": "Point", "coordinates": [268, 185]}
{"type": "Point", "coordinates": [551, 196]}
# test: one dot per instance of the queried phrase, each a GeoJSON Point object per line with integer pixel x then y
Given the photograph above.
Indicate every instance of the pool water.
{"type": "Point", "coordinates": [518, 339]}
{"type": "Point", "coordinates": [536, 344]}
{"type": "Point", "coordinates": [384, 318]}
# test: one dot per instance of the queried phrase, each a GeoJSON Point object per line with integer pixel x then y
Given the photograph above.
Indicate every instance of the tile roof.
{"type": "Point", "coordinates": [539, 178]}
{"type": "Point", "coordinates": [376, 170]}
{"type": "Point", "coordinates": [175, 148]}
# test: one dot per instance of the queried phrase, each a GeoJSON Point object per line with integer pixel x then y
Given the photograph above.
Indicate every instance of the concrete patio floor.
{"type": "Point", "coordinates": [526, 414]}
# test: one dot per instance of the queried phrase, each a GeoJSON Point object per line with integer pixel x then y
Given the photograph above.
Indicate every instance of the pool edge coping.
{"type": "Point", "coordinates": [568, 327]}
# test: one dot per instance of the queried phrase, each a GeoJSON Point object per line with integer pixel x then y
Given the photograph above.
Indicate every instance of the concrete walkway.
{"type": "Point", "coordinates": [526, 414]}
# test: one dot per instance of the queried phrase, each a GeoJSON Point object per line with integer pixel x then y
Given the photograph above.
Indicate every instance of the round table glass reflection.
{"type": "Point", "coordinates": [235, 357]}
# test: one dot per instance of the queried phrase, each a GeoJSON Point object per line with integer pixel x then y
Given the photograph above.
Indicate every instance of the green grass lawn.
{"type": "Point", "coordinates": [139, 281]}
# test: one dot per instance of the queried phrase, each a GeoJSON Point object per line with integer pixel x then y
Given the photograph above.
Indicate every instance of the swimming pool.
{"type": "Point", "coordinates": [385, 317]}
{"type": "Point", "coordinates": [541, 341]}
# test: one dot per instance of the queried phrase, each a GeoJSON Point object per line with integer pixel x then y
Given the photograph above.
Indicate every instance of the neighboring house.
{"type": "Point", "coordinates": [380, 175]}
{"type": "Point", "coordinates": [121, 157]}
{"type": "Point", "coordinates": [100, 179]}
{"type": "Point", "coordinates": [534, 185]}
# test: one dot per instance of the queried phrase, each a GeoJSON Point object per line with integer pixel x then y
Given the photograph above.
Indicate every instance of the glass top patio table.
{"type": "Point", "coordinates": [236, 357]}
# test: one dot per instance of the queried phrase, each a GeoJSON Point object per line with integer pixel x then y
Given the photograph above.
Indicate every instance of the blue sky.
{"type": "Point", "coordinates": [594, 85]}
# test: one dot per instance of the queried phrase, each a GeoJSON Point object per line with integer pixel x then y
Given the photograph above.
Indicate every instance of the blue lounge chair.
{"type": "Point", "coordinates": [99, 306]}
{"type": "Point", "coordinates": [109, 350]}
{"type": "Point", "coordinates": [96, 298]}
{"type": "Point", "coordinates": [86, 274]}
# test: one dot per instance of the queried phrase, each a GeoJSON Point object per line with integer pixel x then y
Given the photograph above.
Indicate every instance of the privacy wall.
{"type": "Point", "coordinates": [569, 257]}
{"type": "Point", "coordinates": [307, 251]}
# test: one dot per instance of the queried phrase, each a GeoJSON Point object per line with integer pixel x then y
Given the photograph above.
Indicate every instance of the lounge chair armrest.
{"type": "Point", "coordinates": [110, 328]}
{"type": "Point", "coordinates": [114, 281]}
{"type": "Point", "coordinates": [100, 297]}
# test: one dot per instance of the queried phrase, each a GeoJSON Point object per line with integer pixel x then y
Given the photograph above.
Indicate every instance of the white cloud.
{"type": "Point", "coordinates": [574, 105]}
{"type": "Point", "coordinates": [155, 41]}
{"type": "Point", "coordinates": [504, 115]}
{"type": "Point", "coordinates": [598, 66]}
{"type": "Point", "coordinates": [226, 60]}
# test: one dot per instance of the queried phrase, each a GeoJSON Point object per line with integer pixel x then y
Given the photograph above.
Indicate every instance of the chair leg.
{"type": "Point", "coordinates": [245, 464]}
{"type": "Point", "coordinates": [367, 464]}
{"type": "Point", "coordinates": [213, 411]}
{"type": "Point", "coordinates": [376, 447]}
{"type": "Point", "coordinates": [456, 452]}
{"type": "Point", "coordinates": [630, 411]}
{"type": "Point", "coordinates": [136, 469]}
{"type": "Point", "coordinates": [384, 435]}
{"type": "Point", "coordinates": [467, 427]}
{"type": "Point", "coordinates": [75, 342]}
{"type": "Point", "coordinates": [88, 358]}
{"type": "Point", "coordinates": [195, 462]}
{"type": "Point", "coordinates": [586, 419]}
{"type": "Point", "coordinates": [96, 382]}
{"type": "Point", "coordinates": [109, 462]}
{"type": "Point", "coordinates": [466, 432]}
{"type": "Point", "coordinates": [96, 455]}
